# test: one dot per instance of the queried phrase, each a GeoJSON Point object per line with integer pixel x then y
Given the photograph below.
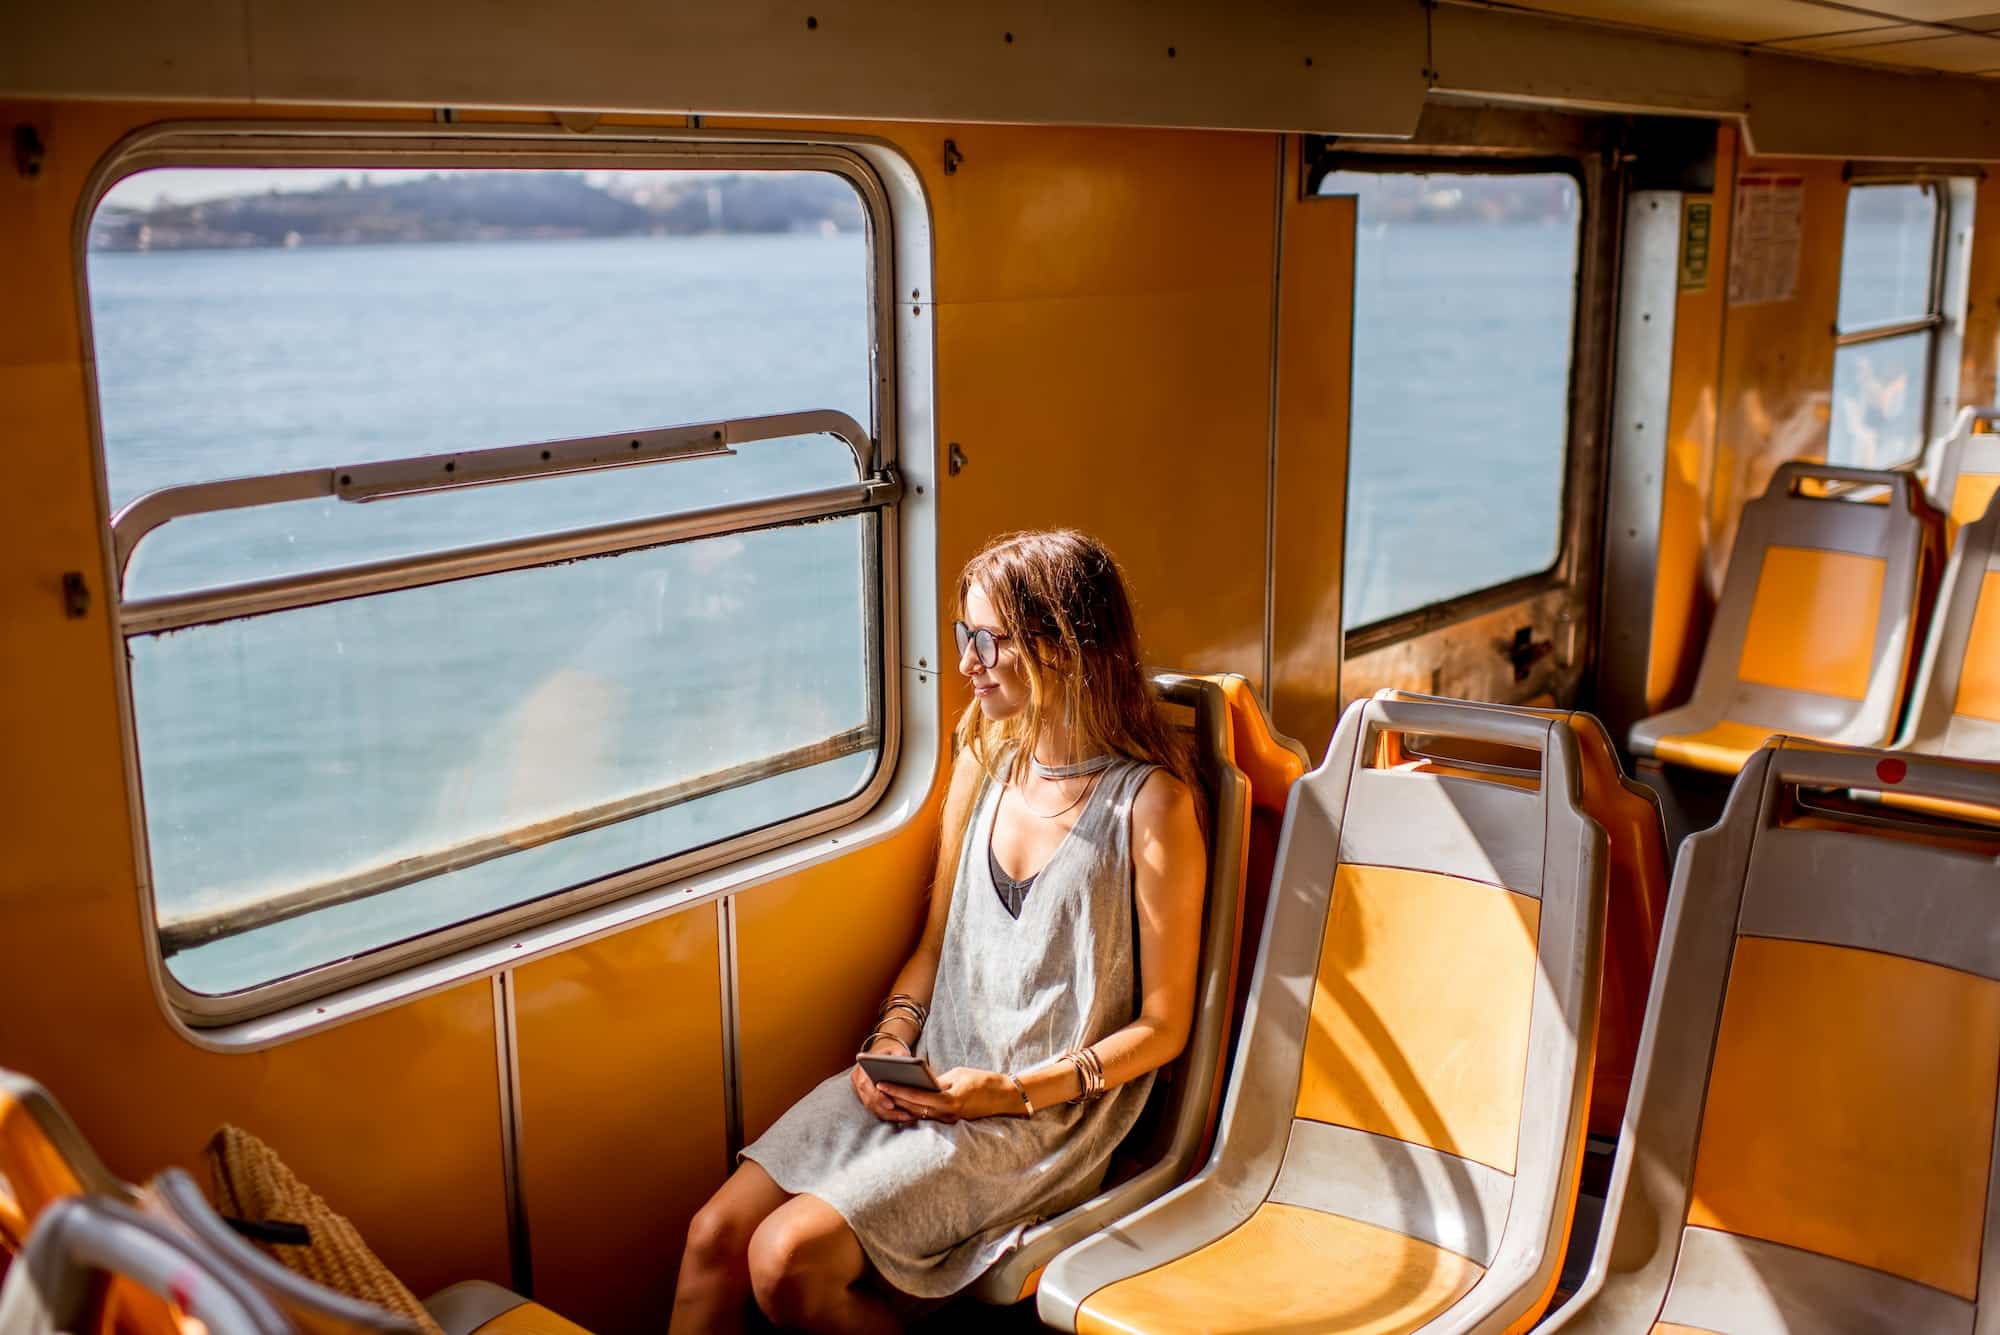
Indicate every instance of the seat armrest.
{"type": "Point", "coordinates": [470, 1304]}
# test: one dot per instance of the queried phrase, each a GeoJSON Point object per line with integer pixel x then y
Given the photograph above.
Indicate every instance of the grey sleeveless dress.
{"type": "Point", "coordinates": [934, 1205]}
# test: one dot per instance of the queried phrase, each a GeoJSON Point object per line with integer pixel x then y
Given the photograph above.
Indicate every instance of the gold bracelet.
{"type": "Point", "coordinates": [1089, 1074]}
{"type": "Point", "coordinates": [908, 1051]}
{"type": "Point", "coordinates": [1027, 1104]}
{"type": "Point", "coordinates": [918, 1011]}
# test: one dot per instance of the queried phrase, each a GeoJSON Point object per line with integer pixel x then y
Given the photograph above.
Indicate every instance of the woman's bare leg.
{"type": "Point", "coordinates": [713, 1291]}
{"type": "Point", "coordinates": [805, 1263]}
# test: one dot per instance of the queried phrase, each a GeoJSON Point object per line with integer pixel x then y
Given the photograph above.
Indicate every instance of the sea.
{"type": "Point", "coordinates": [288, 749]}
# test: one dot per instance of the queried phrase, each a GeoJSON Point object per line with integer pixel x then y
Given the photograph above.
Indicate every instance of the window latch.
{"type": "Point", "coordinates": [1524, 651]}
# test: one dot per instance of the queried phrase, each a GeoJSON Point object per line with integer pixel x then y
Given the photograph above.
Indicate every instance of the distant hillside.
{"type": "Point", "coordinates": [486, 206]}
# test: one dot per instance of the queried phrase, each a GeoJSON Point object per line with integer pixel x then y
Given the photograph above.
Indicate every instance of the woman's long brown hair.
{"type": "Point", "coordinates": [1062, 598]}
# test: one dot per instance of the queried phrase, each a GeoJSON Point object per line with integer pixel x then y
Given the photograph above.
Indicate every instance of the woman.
{"type": "Point", "coordinates": [1072, 802]}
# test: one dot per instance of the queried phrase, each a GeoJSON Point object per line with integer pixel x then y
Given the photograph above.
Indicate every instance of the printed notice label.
{"type": "Point", "coordinates": [1764, 239]}
{"type": "Point", "coordinates": [1697, 215]}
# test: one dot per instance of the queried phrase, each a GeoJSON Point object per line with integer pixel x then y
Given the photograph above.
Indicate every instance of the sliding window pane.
{"type": "Point", "coordinates": [1464, 315]}
{"type": "Point", "coordinates": [1888, 255]}
{"type": "Point", "coordinates": [417, 754]}
{"type": "Point", "coordinates": [1878, 401]}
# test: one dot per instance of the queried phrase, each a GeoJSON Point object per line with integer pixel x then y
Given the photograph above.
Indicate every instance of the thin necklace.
{"type": "Point", "coordinates": [1082, 793]}
{"type": "Point", "coordinates": [1075, 771]}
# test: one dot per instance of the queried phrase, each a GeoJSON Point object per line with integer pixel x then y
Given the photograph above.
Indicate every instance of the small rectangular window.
{"type": "Point", "coordinates": [1464, 320]}
{"type": "Point", "coordinates": [1886, 338]}
{"type": "Point", "coordinates": [374, 702]}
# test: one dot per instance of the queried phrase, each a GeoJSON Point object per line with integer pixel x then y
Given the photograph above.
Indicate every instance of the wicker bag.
{"type": "Point", "coordinates": [249, 1181]}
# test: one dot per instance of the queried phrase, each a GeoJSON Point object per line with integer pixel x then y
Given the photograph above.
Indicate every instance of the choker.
{"type": "Point", "coordinates": [1077, 771]}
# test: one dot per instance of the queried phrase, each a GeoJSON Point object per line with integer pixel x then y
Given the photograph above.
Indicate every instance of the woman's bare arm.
{"type": "Point", "coordinates": [1170, 873]}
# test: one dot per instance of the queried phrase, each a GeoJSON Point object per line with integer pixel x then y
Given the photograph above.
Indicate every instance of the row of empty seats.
{"type": "Point", "coordinates": [1810, 1144]}
{"type": "Point", "coordinates": [1834, 624]}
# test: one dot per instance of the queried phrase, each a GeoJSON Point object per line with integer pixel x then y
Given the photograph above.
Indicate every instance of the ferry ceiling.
{"type": "Point", "coordinates": [1907, 80]}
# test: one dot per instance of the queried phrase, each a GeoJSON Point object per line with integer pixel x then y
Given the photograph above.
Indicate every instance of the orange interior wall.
{"type": "Point", "coordinates": [1104, 316]}
{"type": "Point", "coordinates": [1683, 601]}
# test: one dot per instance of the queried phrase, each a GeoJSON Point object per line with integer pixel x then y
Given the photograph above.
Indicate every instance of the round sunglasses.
{"type": "Point", "coordinates": [985, 643]}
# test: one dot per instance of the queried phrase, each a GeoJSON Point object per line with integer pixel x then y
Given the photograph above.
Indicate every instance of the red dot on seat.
{"type": "Point", "coordinates": [1891, 771]}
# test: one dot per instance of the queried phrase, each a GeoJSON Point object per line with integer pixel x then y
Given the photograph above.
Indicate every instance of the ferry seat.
{"type": "Point", "coordinates": [1403, 1132]}
{"type": "Point", "coordinates": [1167, 1144]}
{"type": "Point", "coordinates": [1812, 1140]}
{"type": "Point", "coordinates": [1817, 624]}
{"type": "Point", "coordinates": [1636, 890]}
{"type": "Point", "coordinates": [85, 1250]}
{"type": "Point", "coordinates": [43, 1158]}
{"type": "Point", "coordinates": [1962, 469]}
{"type": "Point", "coordinates": [313, 1308]}
{"type": "Point", "coordinates": [1955, 705]}
{"type": "Point", "coordinates": [1272, 762]}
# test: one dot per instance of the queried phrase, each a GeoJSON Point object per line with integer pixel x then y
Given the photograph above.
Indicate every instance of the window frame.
{"type": "Point", "coordinates": [1932, 324]}
{"type": "Point", "coordinates": [1372, 635]}
{"type": "Point", "coordinates": [897, 566]}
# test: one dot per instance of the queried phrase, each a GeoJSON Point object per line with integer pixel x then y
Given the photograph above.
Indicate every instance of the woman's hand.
{"type": "Point", "coordinates": [874, 1099]}
{"type": "Point", "coordinates": [968, 1093]}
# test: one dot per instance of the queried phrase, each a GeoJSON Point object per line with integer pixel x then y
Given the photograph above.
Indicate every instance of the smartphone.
{"type": "Point", "coordinates": [893, 1068]}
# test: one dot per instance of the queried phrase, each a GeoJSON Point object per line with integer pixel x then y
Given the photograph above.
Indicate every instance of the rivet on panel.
{"type": "Point", "coordinates": [1171, 53]}
{"type": "Point", "coordinates": [811, 23]}
{"type": "Point", "coordinates": [76, 595]}
{"type": "Point", "coordinates": [1007, 37]}
{"type": "Point", "coordinates": [28, 151]}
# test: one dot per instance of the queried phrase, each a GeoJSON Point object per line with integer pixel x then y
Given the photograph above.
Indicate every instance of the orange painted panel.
{"type": "Point", "coordinates": [1287, 1268]}
{"type": "Point", "coordinates": [1812, 625]}
{"type": "Point", "coordinates": [1069, 413]}
{"type": "Point", "coordinates": [1683, 597]}
{"type": "Point", "coordinates": [1420, 1013]}
{"type": "Point", "coordinates": [1315, 366]}
{"type": "Point", "coordinates": [1850, 1110]}
{"type": "Point", "coordinates": [1776, 371]}
{"type": "Point", "coordinates": [815, 953]}
{"type": "Point", "coordinates": [1979, 676]}
{"type": "Point", "coordinates": [623, 1129]}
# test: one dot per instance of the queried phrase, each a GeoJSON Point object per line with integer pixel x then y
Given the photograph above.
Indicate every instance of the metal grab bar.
{"type": "Point", "coordinates": [184, 931]}
{"type": "Point", "coordinates": [421, 474]}
{"type": "Point", "coordinates": [149, 616]}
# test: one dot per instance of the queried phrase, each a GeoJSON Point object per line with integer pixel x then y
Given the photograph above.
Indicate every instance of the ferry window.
{"type": "Point", "coordinates": [372, 702]}
{"type": "Point", "coordinates": [1464, 312]}
{"type": "Point", "coordinates": [1890, 313]}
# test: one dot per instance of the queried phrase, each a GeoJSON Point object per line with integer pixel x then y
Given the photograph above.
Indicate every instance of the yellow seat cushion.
{"type": "Point", "coordinates": [1288, 1268]}
{"type": "Point", "coordinates": [1722, 749]}
{"type": "Point", "coordinates": [1813, 620]}
{"type": "Point", "coordinates": [1979, 675]}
